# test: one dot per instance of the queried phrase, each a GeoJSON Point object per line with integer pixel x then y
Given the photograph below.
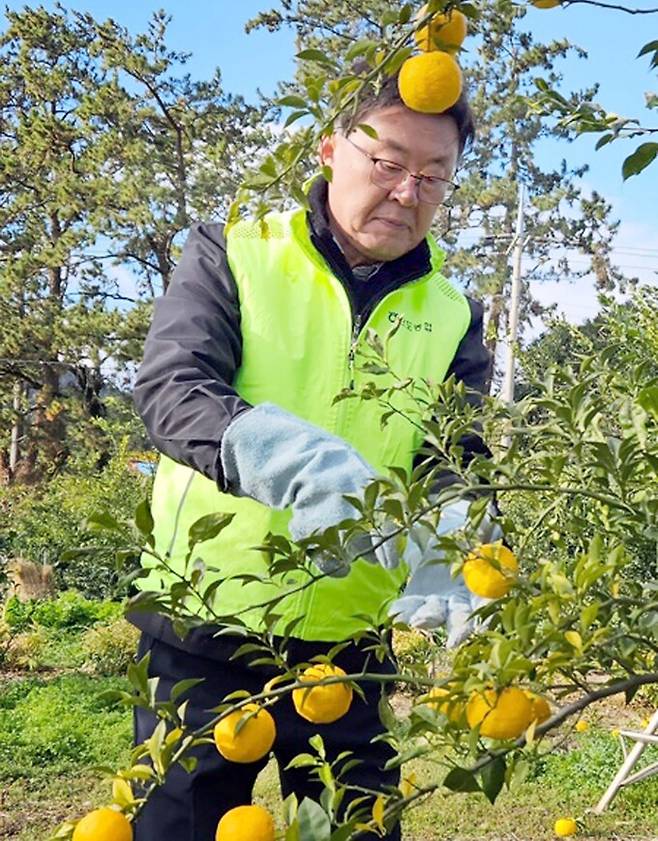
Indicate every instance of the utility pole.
{"type": "Point", "coordinates": [507, 392]}
{"type": "Point", "coordinates": [14, 447]}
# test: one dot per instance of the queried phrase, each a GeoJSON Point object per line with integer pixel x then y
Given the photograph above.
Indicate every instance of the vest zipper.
{"type": "Point", "coordinates": [356, 329]}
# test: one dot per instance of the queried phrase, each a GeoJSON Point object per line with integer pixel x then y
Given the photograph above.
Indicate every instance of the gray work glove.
{"type": "Point", "coordinates": [283, 461]}
{"type": "Point", "coordinates": [432, 597]}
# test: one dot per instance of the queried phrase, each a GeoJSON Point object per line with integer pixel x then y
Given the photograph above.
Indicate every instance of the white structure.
{"type": "Point", "coordinates": [624, 777]}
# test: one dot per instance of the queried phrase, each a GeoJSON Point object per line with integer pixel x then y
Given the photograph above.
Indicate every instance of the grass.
{"type": "Point", "coordinates": [53, 729]}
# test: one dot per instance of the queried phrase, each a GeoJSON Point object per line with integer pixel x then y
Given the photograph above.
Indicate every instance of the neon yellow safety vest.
{"type": "Point", "coordinates": [298, 346]}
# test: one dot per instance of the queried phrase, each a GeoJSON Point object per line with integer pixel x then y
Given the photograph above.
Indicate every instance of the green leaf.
{"type": "Point", "coordinates": [290, 809]}
{"type": "Point", "coordinates": [236, 695]}
{"type": "Point", "coordinates": [137, 674]}
{"type": "Point", "coordinates": [602, 141]}
{"type": "Point", "coordinates": [343, 833]}
{"type": "Point", "coordinates": [317, 743]}
{"type": "Point", "coordinates": [64, 831]}
{"type": "Point", "coordinates": [648, 400]}
{"type": "Point", "coordinates": [207, 527]}
{"type": "Point", "coordinates": [648, 48]}
{"type": "Point", "coordinates": [292, 101]}
{"type": "Point", "coordinates": [469, 10]}
{"type": "Point", "coordinates": [326, 776]}
{"type": "Point", "coordinates": [156, 741]}
{"type": "Point", "coordinates": [296, 115]}
{"type": "Point", "coordinates": [390, 16]}
{"type": "Point", "coordinates": [639, 160]}
{"type": "Point", "coordinates": [386, 714]}
{"type": "Point", "coordinates": [144, 518]}
{"type": "Point", "coordinates": [101, 521]}
{"type": "Point", "coordinates": [359, 48]}
{"type": "Point", "coordinates": [373, 368]}
{"type": "Point", "coordinates": [247, 648]}
{"type": "Point", "coordinates": [302, 760]}
{"type": "Point", "coordinates": [651, 47]}
{"type": "Point", "coordinates": [493, 778]}
{"type": "Point", "coordinates": [460, 779]}
{"type": "Point", "coordinates": [369, 130]}
{"type": "Point", "coordinates": [183, 685]}
{"type": "Point", "coordinates": [189, 763]}
{"type": "Point", "coordinates": [395, 62]}
{"type": "Point", "coordinates": [314, 823]}
{"type": "Point", "coordinates": [316, 55]}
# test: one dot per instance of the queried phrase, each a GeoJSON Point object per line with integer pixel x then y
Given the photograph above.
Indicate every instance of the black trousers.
{"type": "Point", "coordinates": [188, 806]}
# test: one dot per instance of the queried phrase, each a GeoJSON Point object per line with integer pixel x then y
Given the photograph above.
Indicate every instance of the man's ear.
{"type": "Point", "coordinates": [326, 149]}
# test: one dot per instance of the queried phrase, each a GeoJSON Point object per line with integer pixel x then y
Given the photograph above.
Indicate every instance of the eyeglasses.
{"type": "Point", "coordinates": [432, 189]}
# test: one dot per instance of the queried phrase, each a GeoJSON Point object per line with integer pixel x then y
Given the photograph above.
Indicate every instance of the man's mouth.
{"type": "Point", "coordinates": [394, 224]}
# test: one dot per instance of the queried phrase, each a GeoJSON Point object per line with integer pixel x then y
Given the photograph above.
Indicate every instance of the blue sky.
{"type": "Point", "coordinates": [214, 33]}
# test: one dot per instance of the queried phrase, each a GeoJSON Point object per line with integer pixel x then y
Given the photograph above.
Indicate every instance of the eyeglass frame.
{"type": "Point", "coordinates": [418, 177]}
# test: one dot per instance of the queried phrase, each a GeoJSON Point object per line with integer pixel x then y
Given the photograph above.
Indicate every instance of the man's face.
{"type": "Point", "coordinates": [375, 224]}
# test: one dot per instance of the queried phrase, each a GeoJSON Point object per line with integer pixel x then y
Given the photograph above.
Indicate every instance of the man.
{"type": "Point", "coordinates": [247, 349]}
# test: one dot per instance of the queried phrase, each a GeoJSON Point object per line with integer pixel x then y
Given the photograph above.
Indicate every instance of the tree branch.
{"type": "Point", "coordinates": [612, 6]}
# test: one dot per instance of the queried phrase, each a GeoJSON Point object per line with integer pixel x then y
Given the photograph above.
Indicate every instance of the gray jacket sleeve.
{"type": "Point", "coordinates": [184, 388]}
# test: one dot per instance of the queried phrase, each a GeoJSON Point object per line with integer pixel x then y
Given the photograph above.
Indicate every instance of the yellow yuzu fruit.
{"type": "Point", "coordinates": [564, 827]}
{"type": "Point", "coordinates": [454, 710]}
{"type": "Point", "coordinates": [545, 4]}
{"type": "Point", "coordinates": [481, 573]}
{"type": "Point", "coordinates": [254, 738]}
{"type": "Point", "coordinates": [103, 825]}
{"type": "Point", "coordinates": [444, 31]}
{"type": "Point", "coordinates": [503, 714]}
{"type": "Point", "coordinates": [322, 704]}
{"type": "Point", "coordinates": [541, 710]}
{"type": "Point", "coordinates": [246, 823]}
{"type": "Point", "coordinates": [430, 82]}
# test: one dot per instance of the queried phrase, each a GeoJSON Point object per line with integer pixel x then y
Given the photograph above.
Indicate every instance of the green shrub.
{"type": "Point", "coordinates": [49, 728]}
{"type": "Point", "coordinates": [18, 614]}
{"type": "Point", "coordinates": [69, 610]}
{"type": "Point", "coordinates": [47, 520]}
{"type": "Point", "coordinates": [24, 651]}
{"type": "Point", "coordinates": [111, 648]}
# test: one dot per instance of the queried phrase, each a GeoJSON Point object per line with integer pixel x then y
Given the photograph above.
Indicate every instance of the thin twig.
{"type": "Point", "coordinates": [611, 6]}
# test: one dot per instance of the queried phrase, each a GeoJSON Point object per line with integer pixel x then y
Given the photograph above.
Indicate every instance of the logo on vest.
{"type": "Point", "coordinates": [411, 326]}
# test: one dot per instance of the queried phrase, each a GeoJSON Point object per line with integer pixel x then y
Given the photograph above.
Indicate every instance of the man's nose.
{"type": "Point", "coordinates": [406, 192]}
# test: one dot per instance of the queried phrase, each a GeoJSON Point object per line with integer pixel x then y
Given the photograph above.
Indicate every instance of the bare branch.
{"type": "Point", "coordinates": [612, 6]}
